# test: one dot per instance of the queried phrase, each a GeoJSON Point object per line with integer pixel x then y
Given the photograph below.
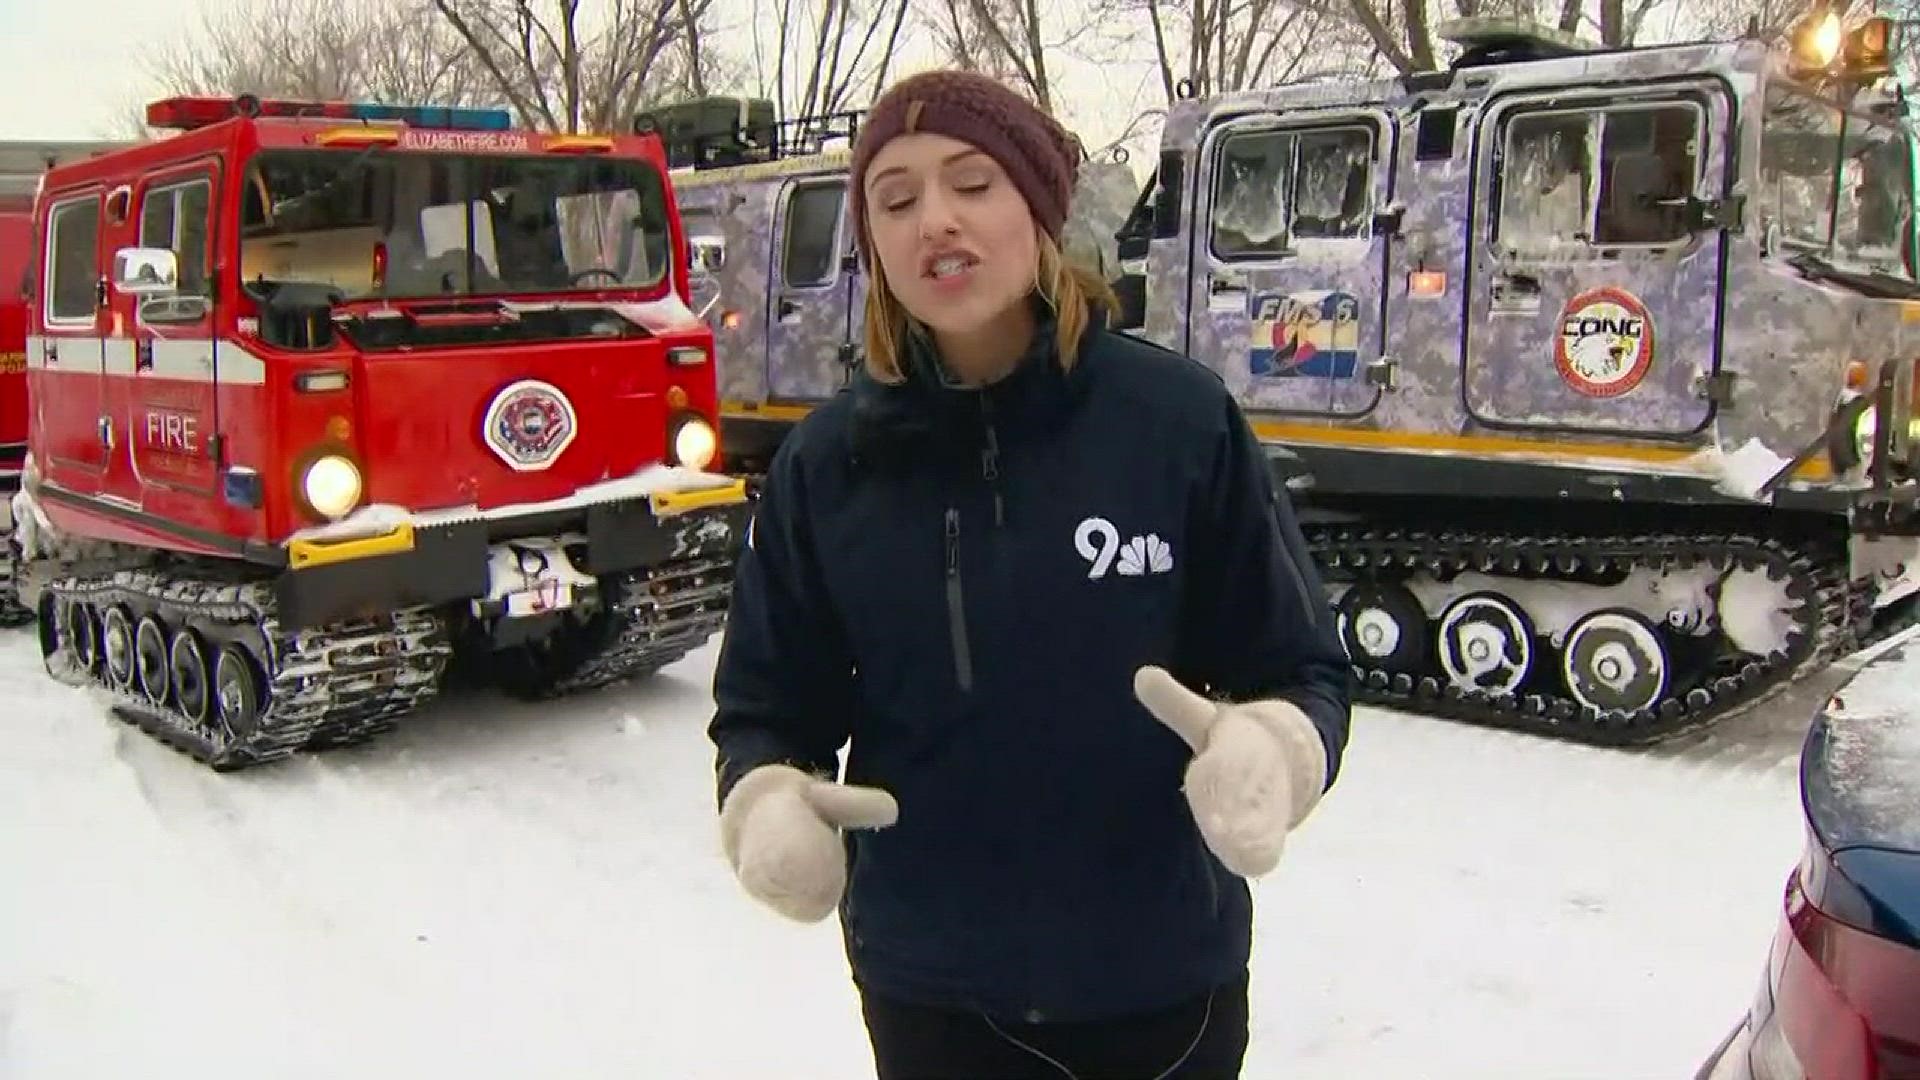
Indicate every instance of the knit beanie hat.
{"type": "Point", "coordinates": [1041, 157]}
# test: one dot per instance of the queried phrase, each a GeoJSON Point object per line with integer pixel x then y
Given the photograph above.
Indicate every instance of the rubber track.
{"type": "Point", "coordinates": [659, 616]}
{"type": "Point", "coordinates": [1815, 577]}
{"type": "Point", "coordinates": [12, 612]}
{"type": "Point", "coordinates": [322, 687]}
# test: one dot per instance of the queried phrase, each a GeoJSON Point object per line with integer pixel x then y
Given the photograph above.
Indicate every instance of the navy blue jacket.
{"type": "Point", "coordinates": [963, 583]}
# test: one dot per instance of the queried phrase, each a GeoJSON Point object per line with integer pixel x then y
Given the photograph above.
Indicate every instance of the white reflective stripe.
{"type": "Point", "coordinates": [183, 359]}
{"type": "Point", "coordinates": [119, 356]}
{"type": "Point", "coordinates": [238, 367]}
{"type": "Point", "coordinates": [191, 360]}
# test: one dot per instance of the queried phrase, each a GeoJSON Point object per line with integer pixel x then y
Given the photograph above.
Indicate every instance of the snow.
{"type": "Point", "coordinates": [1891, 561]}
{"type": "Point", "coordinates": [1740, 474]}
{"type": "Point", "coordinates": [508, 890]}
{"type": "Point", "coordinates": [1756, 611]}
{"type": "Point", "coordinates": [1677, 596]}
{"type": "Point", "coordinates": [1873, 748]}
{"type": "Point", "coordinates": [381, 518]}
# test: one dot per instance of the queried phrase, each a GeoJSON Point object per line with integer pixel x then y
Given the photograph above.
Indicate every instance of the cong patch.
{"type": "Point", "coordinates": [1605, 344]}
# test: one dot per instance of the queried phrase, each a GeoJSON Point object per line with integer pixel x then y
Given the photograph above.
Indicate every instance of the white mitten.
{"type": "Point", "coordinates": [780, 829]}
{"type": "Point", "coordinates": [1257, 771]}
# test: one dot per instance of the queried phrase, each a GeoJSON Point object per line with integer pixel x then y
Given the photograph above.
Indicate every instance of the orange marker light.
{"type": "Point", "coordinates": [358, 136]}
{"type": "Point", "coordinates": [1427, 283]}
{"type": "Point", "coordinates": [676, 398]}
{"type": "Point", "coordinates": [339, 428]}
{"type": "Point", "coordinates": [1856, 374]}
{"type": "Point", "coordinates": [730, 320]}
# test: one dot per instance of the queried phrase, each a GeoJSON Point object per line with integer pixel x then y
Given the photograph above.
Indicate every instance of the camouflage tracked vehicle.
{"type": "Point", "coordinates": [1591, 370]}
{"type": "Point", "coordinates": [772, 252]}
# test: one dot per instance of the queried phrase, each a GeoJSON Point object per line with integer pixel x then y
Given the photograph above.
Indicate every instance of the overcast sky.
{"type": "Point", "coordinates": [70, 69]}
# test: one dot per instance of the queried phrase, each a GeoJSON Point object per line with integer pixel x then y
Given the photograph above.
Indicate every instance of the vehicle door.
{"type": "Point", "coordinates": [1594, 299]}
{"type": "Point", "coordinates": [70, 401]}
{"type": "Point", "coordinates": [808, 320]}
{"type": "Point", "coordinates": [1289, 289]}
{"type": "Point", "coordinates": [174, 403]}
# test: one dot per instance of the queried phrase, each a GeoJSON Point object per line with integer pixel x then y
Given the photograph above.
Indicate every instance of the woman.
{"type": "Point", "coordinates": [1014, 569]}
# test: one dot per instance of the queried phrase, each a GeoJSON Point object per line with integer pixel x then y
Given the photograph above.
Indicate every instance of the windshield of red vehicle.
{"type": "Point", "coordinates": [377, 223]}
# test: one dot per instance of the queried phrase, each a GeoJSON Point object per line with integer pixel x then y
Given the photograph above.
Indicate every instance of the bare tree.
{"type": "Point", "coordinates": [561, 70]}
{"type": "Point", "coordinates": [1222, 45]}
{"type": "Point", "coordinates": [319, 49]}
{"type": "Point", "coordinates": [1016, 40]}
{"type": "Point", "coordinates": [813, 57]}
{"type": "Point", "coordinates": [1404, 34]}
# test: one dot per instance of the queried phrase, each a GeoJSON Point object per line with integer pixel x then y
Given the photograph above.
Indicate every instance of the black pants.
{"type": "Point", "coordinates": [1203, 1039]}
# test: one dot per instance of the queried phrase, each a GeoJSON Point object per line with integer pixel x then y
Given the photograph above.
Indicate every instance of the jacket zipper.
{"type": "Point", "coordinates": [990, 462]}
{"type": "Point", "coordinates": [956, 605]}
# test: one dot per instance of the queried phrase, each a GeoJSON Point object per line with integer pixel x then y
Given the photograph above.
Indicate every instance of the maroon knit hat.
{"type": "Point", "coordinates": [1039, 156]}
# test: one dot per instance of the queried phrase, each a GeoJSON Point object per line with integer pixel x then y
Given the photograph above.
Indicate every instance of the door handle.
{"type": "Point", "coordinates": [787, 307]}
{"type": "Point", "coordinates": [1516, 294]}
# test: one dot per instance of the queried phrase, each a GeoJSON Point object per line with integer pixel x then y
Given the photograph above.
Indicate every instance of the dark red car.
{"type": "Point", "coordinates": [1840, 998]}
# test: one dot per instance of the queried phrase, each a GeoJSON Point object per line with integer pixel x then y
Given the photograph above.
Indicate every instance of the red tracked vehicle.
{"type": "Point", "coordinates": [327, 396]}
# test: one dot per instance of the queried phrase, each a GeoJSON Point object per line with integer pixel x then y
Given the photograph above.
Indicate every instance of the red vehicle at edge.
{"type": "Point", "coordinates": [328, 396]}
{"type": "Point", "coordinates": [21, 164]}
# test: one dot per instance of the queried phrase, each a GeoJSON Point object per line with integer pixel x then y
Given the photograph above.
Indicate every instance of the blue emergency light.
{"type": "Point", "coordinates": [435, 116]}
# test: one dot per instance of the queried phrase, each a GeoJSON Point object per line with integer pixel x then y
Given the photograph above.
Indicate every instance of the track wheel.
{"type": "Point", "coordinates": [1615, 659]}
{"type": "Point", "coordinates": [116, 646]}
{"type": "Point", "coordinates": [236, 692]}
{"type": "Point", "coordinates": [1486, 643]}
{"type": "Point", "coordinates": [150, 658]}
{"type": "Point", "coordinates": [83, 635]}
{"type": "Point", "coordinates": [192, 677]}
{"type": "Point", "coordinates": [1384, 626]}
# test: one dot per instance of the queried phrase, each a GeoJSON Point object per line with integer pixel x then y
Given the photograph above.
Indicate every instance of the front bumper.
{"type": "Point", "coordinates": [430, 562]}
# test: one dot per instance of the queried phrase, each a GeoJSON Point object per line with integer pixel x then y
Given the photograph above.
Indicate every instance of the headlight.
{"type": "Point", "coordinates": [694, 443]}
{"type": "Point", "coordinates": [1863, 431]}
{"type": "Point", "coordinates": [331, 485]}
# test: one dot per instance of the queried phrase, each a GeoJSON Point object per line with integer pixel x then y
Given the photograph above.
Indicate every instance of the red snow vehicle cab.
{"type": "Point", "coordinates": [21, 165]}
{"type": "Point", "coordinates": [16, 239]}
{"type": "Point", "coordinates": [328, 395]}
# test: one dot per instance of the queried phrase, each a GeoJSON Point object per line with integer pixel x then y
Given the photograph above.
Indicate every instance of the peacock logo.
{"type": "Point", "coordinates": [1098, 541]}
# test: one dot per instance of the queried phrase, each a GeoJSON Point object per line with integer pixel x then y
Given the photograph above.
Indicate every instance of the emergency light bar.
{"type": "Point", "coordinates": [187, 113]}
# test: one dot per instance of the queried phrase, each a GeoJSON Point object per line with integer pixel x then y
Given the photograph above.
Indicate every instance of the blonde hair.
{"type": "Point", "coordinates": [1069, 288]}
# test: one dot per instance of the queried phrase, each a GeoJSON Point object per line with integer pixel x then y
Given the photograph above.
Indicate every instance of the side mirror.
{"type": "Point", "coordinates": [140, 271]}
{"type": "Point", "coordinates": [707, 254]}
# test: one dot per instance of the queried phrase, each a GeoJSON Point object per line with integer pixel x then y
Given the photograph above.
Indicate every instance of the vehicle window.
{"type": "Point", "coordinates": [175, 217]}
{"type": "Point", "coordinates": [1875, 212]}
{"type": "Point", "coordinates": [73, 234]}
{"type": "Point", "coordinates": [1274, 187]}
{"type": "Point", "coordinates": [429, 224]}
{"type": "Point", "coordinates": [1608, 176]}
{"type": "Point", "coordinates": [1799, 135]}
{"type": "Point", "coordinates": [1863, 216]}
{"type": "Point", "coordinates": [808, 257]}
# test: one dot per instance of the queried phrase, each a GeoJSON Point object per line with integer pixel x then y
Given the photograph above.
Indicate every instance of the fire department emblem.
{"type": "Point", "coordinates": [529, 424]}
{"type": "Point", "coordinates": [1605, 344]}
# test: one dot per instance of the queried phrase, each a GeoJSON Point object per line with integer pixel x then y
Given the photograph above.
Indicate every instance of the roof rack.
{"type": "Point", "coordinates": [1486, 40]}
{"type": "Point", "coordinates": [719, 131]}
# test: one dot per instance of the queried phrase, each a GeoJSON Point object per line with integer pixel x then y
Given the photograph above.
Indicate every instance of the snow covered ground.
{"type": "Point", "coordinates": [502, 890]}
